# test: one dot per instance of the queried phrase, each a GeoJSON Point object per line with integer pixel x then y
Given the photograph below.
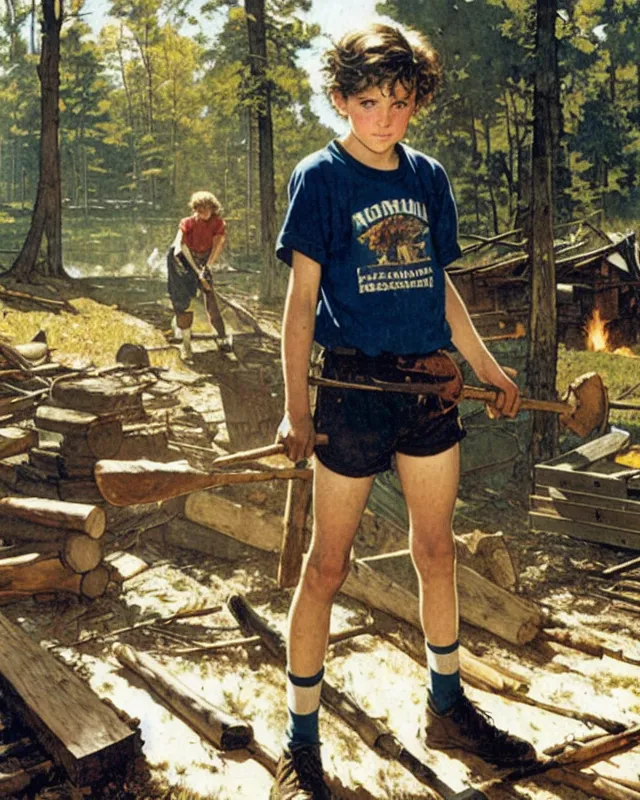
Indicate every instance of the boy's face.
{"type": "Point", "coordinates": [204, 212]}
{"type": "Point", "coordinates": [378, 118]}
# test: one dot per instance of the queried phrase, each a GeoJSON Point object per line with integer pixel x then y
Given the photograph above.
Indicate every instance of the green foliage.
{"type": "Point", "coordinates": [155, 106]}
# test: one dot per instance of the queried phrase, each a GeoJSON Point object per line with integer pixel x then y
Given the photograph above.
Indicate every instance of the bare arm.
{"type": "Point", "coordinates": [296, 428]}
{"type": "Point", "coordinates": [467, 340]}
{"type": "Point", "coordinates": [216, 249]}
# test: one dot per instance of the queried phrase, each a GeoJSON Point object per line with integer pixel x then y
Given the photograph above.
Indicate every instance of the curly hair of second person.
{"type": "Point", "coordinates": [382, 56]}
{"type": "Point", "coordinates": [202, 199]}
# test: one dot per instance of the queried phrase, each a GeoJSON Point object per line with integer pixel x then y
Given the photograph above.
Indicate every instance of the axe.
{"type": "Point", "coordinates": [128, 483]}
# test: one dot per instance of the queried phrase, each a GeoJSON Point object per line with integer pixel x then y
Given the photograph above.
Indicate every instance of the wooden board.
{"type": "Point", "coordinates": [74, 726]}
{"type": "Point", "coordinates": [582, 481]}
{"type": "Point", "coordinates": [611, 512]}
{"type": "Point", "coordinates": [551, 523]}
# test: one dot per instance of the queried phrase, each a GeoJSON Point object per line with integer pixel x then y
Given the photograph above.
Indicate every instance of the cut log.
{"type": "Point", "coordinates": [294, 539]}
{"type": "Point", "coordinates": [14, 441]}
{"type": "Point", "coordinates": [81, 517]}
{"type": "Point", "coordinates": [84, 432]}
{"type": "Point", "coordinates": [482, 603]}
{"type": "Point", "coordinates": [77, 730]}
{"type": "Point", "coordinates": [76, 551]}
{"type": "Point", "coordinates": [377, 582]}
{"type": "Point", "coordinates": [98, 395]}
{"type": "Point", "coordinates": [40, 574]}
{"type": "Point", "coordinates": [212, 723]}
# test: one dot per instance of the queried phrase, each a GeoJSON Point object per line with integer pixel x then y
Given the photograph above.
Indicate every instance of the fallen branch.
{"type": "Point", "coordinates": [585, 643]}
{"type": "Point", "coordinates": [211, 722]}
{"type": "Point", "coordinates": [372, 731]}
{"type": "Point", "coordinates": [43, 301]}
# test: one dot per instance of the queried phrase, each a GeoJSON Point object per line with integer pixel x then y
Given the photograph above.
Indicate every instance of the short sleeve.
{"type": "Point", "coordinates": [306, 226]}
{"type": "Point", "coordinates": [186, 224]}
{"type": "Point", "coordinates": [444, 221]}
{"type": "Point", "coordinates": [219, 227]}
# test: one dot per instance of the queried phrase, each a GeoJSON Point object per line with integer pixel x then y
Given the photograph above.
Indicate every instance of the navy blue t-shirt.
{"type": "Point", "coordinates": [382, 238]}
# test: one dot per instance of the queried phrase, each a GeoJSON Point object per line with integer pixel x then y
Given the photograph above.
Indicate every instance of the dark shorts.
{"type": "Point", "coordinates": [366, 428]}
{"type": "Point", "coordinates": [182, 282]}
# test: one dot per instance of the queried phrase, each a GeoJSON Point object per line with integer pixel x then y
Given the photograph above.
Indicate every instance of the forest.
{"type": "Point", "coordinates": [163, 99]}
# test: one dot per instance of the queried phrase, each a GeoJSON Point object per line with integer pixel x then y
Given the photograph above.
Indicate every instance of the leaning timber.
{"type": "Point", "coordinates": [482, 602]}
{"type": "Point", "coordinates": [74, 726]}
{"type": "Point", "coordinates": [39, 511]}
{"type": "Point", "coordinates": [212, 723]}
{"type": "Point", "coordinates": [83, 431]}
{"type": "Point", "coordinates": [372, 731]}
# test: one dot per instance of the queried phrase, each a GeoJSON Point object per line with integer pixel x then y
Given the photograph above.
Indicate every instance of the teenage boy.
{"type": "Point", "coordinates": [371, 225]}
{"type": "Point", "coordinates": [198, 243]}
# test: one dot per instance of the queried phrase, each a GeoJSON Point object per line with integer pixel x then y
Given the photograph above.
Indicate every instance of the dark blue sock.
{"type": "Point", "coordinates": [303, 696]}
{"type": "Point", "coordinates": [444, 676]}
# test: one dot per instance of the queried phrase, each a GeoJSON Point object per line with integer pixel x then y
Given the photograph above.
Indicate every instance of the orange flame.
{"type": "Point", "coordinates": [597, 337]}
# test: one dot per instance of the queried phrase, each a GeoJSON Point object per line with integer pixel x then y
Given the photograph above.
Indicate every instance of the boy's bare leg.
{"type": "Point", "coordinates": [338, 503]}
{"type": "Point", "coordinates": [430, 486]}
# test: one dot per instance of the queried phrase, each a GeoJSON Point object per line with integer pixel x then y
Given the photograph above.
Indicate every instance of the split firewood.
{"type": "Point", "coordinates": [372, 731]}
{"type": "Point", "coordinates": [586, 643]}
{"type": "Point", "coordinates": [16, 404]}
{"type": "Point", "coordinates": [488, 555]}
{"type": "Point", "coordinates": [84, 433]}
{"type": "Point", "coordinates": [42, 515]}
{"type": "Point", "coordinates": [14, 441]}
{"type": "Point", "coordinates": [212, 723]}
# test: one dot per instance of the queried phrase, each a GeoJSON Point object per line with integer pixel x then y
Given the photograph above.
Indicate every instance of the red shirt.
{"type": "Point", "coordinates": [198, 234]}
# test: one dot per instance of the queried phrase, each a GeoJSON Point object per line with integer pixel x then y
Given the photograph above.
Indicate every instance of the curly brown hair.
{"type": "Point", "coordinates": [202, 199]}
{"type": "Point", "coordinates": [382, 56]}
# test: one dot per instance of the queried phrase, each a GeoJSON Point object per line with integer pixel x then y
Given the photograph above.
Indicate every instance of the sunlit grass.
{"type": "Point", "coordinates": [94, 335]}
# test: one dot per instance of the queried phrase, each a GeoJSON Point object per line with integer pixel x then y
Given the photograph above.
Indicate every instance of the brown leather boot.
{"type": "Point", "coordinates": [299, 775]}
{"type": "Point", "coordinates": [467, 727]}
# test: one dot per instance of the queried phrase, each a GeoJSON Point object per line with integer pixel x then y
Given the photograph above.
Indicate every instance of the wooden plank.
{"type": "Point", "coordinates": [601, 534]}
{"type": "Point", "coordinates": [582, 512]}
{"type": "Point", "coordinates": [74, 726]}
{"type": "Point", "coordinates": [595, 450]}
{"type": "Point", "coordinates": [588, 499]}
{"type": "Point", "coordinates": [592, 482]}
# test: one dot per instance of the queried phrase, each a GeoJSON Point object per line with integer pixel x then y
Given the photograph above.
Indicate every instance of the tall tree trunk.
{"type": "Point", "coordinates": [258, 66]}
{"type": "Point", "coordinates": [542, 356]}
{"type": "Point", "coordinates": [47, 213]}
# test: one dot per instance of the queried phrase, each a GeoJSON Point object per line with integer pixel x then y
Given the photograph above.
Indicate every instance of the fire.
{"type": "Point", "coordinates": [597, 337]}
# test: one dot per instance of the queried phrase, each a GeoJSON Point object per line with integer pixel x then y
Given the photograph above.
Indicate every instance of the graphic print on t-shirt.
{"type": "Point", "coordinates": [395, 232]}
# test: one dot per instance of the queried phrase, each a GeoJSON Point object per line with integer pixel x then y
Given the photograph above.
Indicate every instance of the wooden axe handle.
{"type": "Point", "coordinates": [260, 452]}
{"type": "Point", "coordinates": [526, 403]}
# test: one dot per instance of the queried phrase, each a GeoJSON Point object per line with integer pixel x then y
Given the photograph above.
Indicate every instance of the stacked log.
{"type": "Point", "coordinates": [83, 420]}
{"type": "Point", "coordinates": [55, 546]}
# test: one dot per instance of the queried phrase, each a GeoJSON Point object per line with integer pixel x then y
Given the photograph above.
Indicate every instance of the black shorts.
{"type": "Point", "coordinates": [182, 282]}
{"type": "Point", "coordinates": [366, 428]}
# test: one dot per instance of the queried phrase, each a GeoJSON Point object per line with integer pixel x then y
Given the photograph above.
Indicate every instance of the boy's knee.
{"type": "Point", "coordinates": [324, 576]}
{"type": "Point", "coordinates": [434, 554]}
